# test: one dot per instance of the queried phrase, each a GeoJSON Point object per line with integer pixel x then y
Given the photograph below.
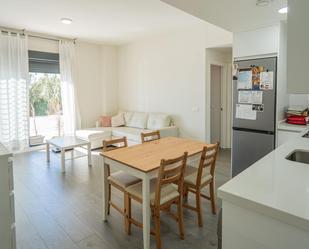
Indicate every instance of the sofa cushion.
{"type": "Point", "coordinates": [158, 120]}
{"type": "Point", "coordinates": [118, 120]}
{"type": "Point", "coordinates": [132, 134]}
{"type": "Point", "coordinates": [127, 117]}
{"type": "Point", "coordinates": [95, 133]}
{"type": "Point", "coordinates": [105, 121]}
{"type": "Point", "coordinates": [138, 120]}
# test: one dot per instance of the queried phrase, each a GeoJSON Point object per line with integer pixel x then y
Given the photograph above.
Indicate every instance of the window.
{"type": "Point", "coordinates": [45, 117]}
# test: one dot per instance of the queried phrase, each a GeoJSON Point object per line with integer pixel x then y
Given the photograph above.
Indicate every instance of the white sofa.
{"type": "Point", "coordinates": [135, 124]}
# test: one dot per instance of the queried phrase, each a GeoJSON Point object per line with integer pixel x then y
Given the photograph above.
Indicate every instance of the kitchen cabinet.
{"type": "Point", "coordinates": [286, 132]}
{"type": "Point", "coordinates": [257, 43]}
{"type": "Point", "coordinates": [297, 46]}
{"type": "Point", "coordinates": [7, 205]}
{"type": "Point", "coordinates": [266, 206]}
{"type": "Point", "coordinates": [285, 136]}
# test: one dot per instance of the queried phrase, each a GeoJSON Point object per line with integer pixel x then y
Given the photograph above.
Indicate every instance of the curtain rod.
{"type": "Point", "coordinates": [36, 35]}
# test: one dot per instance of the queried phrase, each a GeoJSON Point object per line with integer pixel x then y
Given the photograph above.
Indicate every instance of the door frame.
{"type": "Point", "coordinates": [226, 100]}
{"type": "Point", "coordinates": [221, 102]}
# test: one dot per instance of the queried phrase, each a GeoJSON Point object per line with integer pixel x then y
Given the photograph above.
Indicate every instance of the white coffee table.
{"type": "Point", "coordinates": [65, 143]}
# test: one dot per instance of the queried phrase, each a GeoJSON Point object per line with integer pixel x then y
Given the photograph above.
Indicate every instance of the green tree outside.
{"type": "Point", "coordinates": [44, 95]}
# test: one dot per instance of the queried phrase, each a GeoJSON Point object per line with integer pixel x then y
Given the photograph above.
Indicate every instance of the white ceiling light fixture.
{"type": "Point", "coordinates": [262, 3]}
{"type": "Point", "coordinates": [283, 10]}
{"type": "Point", "coordinates": [66, 20]}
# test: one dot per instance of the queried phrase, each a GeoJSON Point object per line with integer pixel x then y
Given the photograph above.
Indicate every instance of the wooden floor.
{"type": "Point", "coordinates": [57, 211]}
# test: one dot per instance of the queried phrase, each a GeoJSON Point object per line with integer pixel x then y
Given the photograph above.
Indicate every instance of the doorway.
{"type": "Point", "coordinates": [215, 103]}
{"type": "Point", "coordinates": [219, 96]}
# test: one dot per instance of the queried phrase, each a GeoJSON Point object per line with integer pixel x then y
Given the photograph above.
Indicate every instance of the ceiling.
{"type": "Point", "coordinates": [123, 21]}
{"type": "Point", "coordinates": [99, 21]}
{"type": "Point", "coordinates": [233, 15]}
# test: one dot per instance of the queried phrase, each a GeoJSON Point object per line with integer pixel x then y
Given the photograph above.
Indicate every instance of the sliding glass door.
{"type": "Point", "coordinates": [45, 108]}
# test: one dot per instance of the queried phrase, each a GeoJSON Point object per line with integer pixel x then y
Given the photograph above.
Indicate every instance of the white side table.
{"type": "Point", "coordinates": [65, 143]}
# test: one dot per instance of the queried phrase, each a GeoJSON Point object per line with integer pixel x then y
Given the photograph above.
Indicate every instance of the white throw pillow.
{"type": "Point", "coordinates": [138, 120]}
{"type": "Point", "coordinates": [127, 117]}
{"type": "Point", "coordinates": [118, 120]}
{"type": "Point", "coordinates": [158, 120]}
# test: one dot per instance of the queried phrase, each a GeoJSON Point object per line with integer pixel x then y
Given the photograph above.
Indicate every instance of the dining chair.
{"type": "Point", "coordinates": [119, 180]}
{"type": "Point", "coordinates": [165, 190]}
{"type": "Point", "coordinates": [196, 179]}
{"type": "Point", "coordinates": [150, 136]}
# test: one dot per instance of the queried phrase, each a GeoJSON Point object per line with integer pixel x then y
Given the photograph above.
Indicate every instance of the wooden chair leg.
{"type": "Point", "coordinates": [109, 199]}
{"type": "Point", "coordinates": [152, 214]}
{"type": "Point", "coordinates": [212, 197]}
{"type": "Point", "coordinates": [186, 194]}
{"type": "Point", "coordinates": [180, 219]}
{"type": "Point", "coordinates": [126, 207]}
{"type": "Point", "coordinates": [157, 228]}
{"type": "Point", "coordinates": [198, 207]}
{"type": "Point", "coordinates": [128, 214]}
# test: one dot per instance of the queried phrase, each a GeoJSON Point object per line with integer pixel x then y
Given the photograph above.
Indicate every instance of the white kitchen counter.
{"type": "Point", "coordinates": [283, 126]}
{"type": "Point", "coordinates": [273, 187]}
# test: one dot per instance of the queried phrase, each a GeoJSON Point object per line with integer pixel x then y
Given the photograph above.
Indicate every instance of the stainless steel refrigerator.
{"type": "Point", "coordinates": [253, 138]}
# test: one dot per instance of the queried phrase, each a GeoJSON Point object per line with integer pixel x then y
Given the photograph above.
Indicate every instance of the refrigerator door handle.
{"type": "Point", "coordinates": [254, 131]}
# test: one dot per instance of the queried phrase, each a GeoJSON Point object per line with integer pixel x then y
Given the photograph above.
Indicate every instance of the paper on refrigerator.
{"type": "Point", "coordinates": [250, 97]}
{"type": "Point", "coordinates": [244, 79]}
{"type": "Point", "coordinates": [267, 80]}
{"type": "Point", "coordinates": [257, 97]}
{"type": "Point", "coordinates": [245, 112]}
{"type": "Point", "coordinates": [244, 97]}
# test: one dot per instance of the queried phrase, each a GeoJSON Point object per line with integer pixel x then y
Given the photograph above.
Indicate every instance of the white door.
{"type": "Point", "coordinates": [216, 108]}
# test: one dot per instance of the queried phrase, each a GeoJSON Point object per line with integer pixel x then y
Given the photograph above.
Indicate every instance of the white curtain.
{"type": "Point", "coordinates": [14, 106]}
{"type": "Point", "coordinates": [71, 117]}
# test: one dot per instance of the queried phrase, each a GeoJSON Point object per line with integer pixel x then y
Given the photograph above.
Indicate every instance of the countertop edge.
{"type": "Point", "coordinates": [263, 209]}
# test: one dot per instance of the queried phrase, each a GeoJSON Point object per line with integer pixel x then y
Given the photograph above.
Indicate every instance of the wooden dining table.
{"type": "Point", "coordinates": [143, 161]}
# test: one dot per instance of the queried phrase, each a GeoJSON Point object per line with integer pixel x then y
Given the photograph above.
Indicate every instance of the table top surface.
{"type": "Point", "coordinates": [147, 157]}
{"type": "Point", "coordinates": [67, 141]}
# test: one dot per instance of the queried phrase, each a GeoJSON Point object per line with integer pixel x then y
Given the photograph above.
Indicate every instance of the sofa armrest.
{"type": "Point", "coordinates": [171, 131]}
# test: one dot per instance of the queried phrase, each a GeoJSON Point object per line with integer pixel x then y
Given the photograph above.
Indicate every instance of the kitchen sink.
{"type": "Point", "coordinates": [300, 156]}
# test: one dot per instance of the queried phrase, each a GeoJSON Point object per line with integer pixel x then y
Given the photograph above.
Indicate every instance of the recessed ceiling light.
{"type": "Point", "coordinates": [283, 10]}
{"type": "Point", "coordinates": [262, 3]}
{"type": "Point", "coordinates": [66, 20]}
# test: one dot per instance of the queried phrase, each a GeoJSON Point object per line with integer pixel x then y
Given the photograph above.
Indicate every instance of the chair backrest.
{"type": "Point", "coordinates": [114, 144]}
{"type": "Point", "coordinates": [171, 171]}
{"type": "Point", "coordinates": [208, 159]}
{"type": "Point", "coordinates": [150, 136]}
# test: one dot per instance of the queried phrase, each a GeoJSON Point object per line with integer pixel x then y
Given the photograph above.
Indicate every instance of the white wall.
{"type": "Point", "coordinates": [298, 99]}
{"type": "Point", "coordinates": [109, 79]}
{"type": "Point", "coordinates": [89, 87]}
{"type": "Point", "coordinates": [167, 73]}
{"type": "Point", "coordinates": [96, 76]}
